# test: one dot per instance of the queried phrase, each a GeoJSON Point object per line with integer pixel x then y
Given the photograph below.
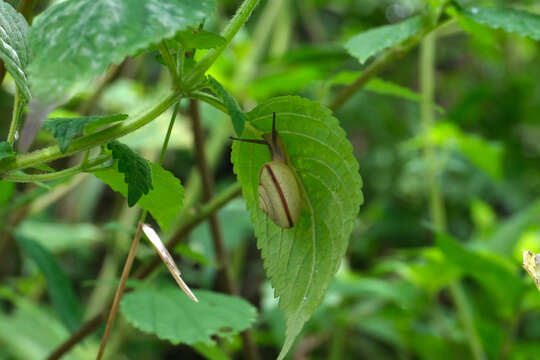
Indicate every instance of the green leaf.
{"type": "Point", "coordinates": [14, 49]}
{"type": "Point", "coordinates": [301, 261]}
{"type": "Point", "coordinates": [199, 39]}
{"type": "Point", "coordinates": [488, 269]}
{"type": "Point", "coordinates": [171, 315]}
{"type": "Point", "coordinates": [136, 170]}
{"type": "Point", "coordinates": [238, 116]}
{"type": "Point", "coordinates": [58, 237]}
{"type": "Point", "coordinates": [61, 292]}
{"type": "Point", "coordinates": [163, 201]}
{"type": "Point", "coordinates": [6, 150]}
{"type": "Point", "coordinates": [369, 43]}
{"type": "Point", "coordinates": [74, 41]}
{"type": "Point", "coordinates": [512, 20]}
{"type": "Point", "coordinates": [66, 129]}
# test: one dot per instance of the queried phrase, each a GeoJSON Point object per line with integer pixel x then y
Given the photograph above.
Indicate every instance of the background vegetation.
{"type": "Point", "coordinates": [447, 137]}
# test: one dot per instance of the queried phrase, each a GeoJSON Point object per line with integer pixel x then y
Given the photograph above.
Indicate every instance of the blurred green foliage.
{"type": "Point", "coordinates": [391, 298]}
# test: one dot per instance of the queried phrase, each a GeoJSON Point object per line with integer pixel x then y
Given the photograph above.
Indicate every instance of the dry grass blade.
{"type": "Point", "coordinates": [167, 259]}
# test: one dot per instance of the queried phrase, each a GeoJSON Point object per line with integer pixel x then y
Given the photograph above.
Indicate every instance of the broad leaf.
{"type": "Point", "coordinates": [172, 315]}
{"type": "Point", "coordinates": [301, 261]}
{"type": "Point", "coordinates": [6, 150]}
{"type": "Point", "coordinates": [369, 43]}
{"type": "Point", "coordinates": [66, 129]}
{"type": "Point", "coordinates": [512, 20]}
{"type": "Point", "coordinates": [61, 292]}
{"type": "Point", "coordinates": [238, 116]}
{"type": "Point", "coordinates": [163, 201]}
{"type": "Point", "coordinates": [14, 49]}
{"type": "Point", "coordinates": [199, 39]}
{"type": "Point", "coordinates": [136, 170]}
{"type": "Point", "coordinates": [77, 40]}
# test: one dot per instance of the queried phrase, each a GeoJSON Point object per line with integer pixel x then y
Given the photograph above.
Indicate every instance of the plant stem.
{"type": "Point", "coordinates": [120, 288]}
{"type": "Point", "coordinates": [57, 174]}
{"type": "Point", "coordinates": [87, 142]}
{"type": "Point", "coordinates": [388, 57]}
{"type": "Point", "coordinates": [168, 135]}
{"type": "Point", "coordinates": [241, 16]}
{"type": "Point", "coordinates": [224, 272]}
{"type": "Point", "coordinates": [438, 216]}
{"type": "Point", "coordinates": [209, 99]}
{"type": "Point", "coordinates": [217, 203]}
{"type": "Point", "coordinates": [164, 51]}
{"type": "Point", "coordinates": [16, 116]}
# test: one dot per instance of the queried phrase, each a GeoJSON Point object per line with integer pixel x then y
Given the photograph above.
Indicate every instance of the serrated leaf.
{"type": "Point", "coordinates": [301, 261]}
{"type": "Point", "coordinates": [66, 129]}
{"type": "Point", "coordinates": [512, 20]}
{"type": "Point", "coordinates": [14, 49]}
{"type": "Point", "coordinates": [77, 40]}
{"type": "Point", "coordinates": [199, 39]}
{"type": "Point", "coordinates": [238, 116]}
{"type": "Point", "coordinates": [163, 201]}
{"type": "Point", "coordinates": [369, 43]}
{"type": "Point", "coordinates": [60, 290]}
{"type": "Point", "coordinates": [172, 315]}
{"type": "Point", "coordinates": [136, 170]}
{"type": "Point", "coordinates": [6, 150]}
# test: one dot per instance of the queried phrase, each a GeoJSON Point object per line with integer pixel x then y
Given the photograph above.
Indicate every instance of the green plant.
{"type": "Point", "coordinates": [51, 63]}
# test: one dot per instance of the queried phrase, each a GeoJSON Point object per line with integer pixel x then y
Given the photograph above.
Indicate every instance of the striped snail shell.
{"type": "Point", "coordinates": [279, 193]}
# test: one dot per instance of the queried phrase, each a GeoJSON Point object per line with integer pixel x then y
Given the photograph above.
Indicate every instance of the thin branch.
{"type": "Point", "coordinates": [217, 203]}
{"type": "Point", "coordinates": [224, 272]}
{"type": "Point", "coordinates": [120, 291]}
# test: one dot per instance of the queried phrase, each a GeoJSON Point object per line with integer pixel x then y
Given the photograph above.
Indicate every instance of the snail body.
{"type": "Point", "coordinates": [279, 194]}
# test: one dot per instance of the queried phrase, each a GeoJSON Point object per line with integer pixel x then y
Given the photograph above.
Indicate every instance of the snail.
{"type": "Point", "coordinates": [279, 193]}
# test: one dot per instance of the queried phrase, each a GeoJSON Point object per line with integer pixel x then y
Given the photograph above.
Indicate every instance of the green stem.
{"type": "Point", "coordinates": [168, 135]}
{"type": "Point", "coordinates": [87, 142]}
{"type": "Point", "coordinates": [57, 174]}
{"type": "Point", "coordinates": [438, 216]}
{"type": "Point", "coordinates": [241, 16]}
{"type": "Point", "coordinates": [164, 51]}
{"type": "Point", "coordinates": [209, 99]}
{"type": "Point", "coordinates": [18, 106]}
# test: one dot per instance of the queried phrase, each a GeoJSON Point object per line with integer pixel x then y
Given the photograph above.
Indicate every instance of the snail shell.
{"type": "Point", "coordinates": [279, 194]}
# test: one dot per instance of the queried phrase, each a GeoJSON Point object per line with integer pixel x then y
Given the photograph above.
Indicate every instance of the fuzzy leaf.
{"type": "Point", "coordinates": [238, 116]}
{"type": "Point", "coordinates": [172, 315]}
{"type": "Point", "coordinates": [66, 129]}
{"type": "Point", "coordinates": [512, 20]}
{"type": "Point", "coordinates": [14, 49]}
{"type": "Point", "coordinates": [6, 150]}
{"type": "Point", "coordinates": [369, 43]}
{"type": "Point", "coordinates": [60, 290]}
{"type": "Point", "coordinates": [137, 172]}
{"type": "Point", "coordinates": [199, 39]}
{"type": "Point", "coordinates": [163, 201]}
{"type": "Point", "coordinates": [301, 261]}
{"type": "Point", "coordinates": [77, 40]}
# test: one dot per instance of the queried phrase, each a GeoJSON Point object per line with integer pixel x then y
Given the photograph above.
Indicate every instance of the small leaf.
{"type": "Point", "coordinates": [137, 172]}
{"type": "Point", "coordinates": [369, 43]}
{"type": "Point", "coordinates": [512, 20]}
{"type": "Point", "coordinates": [61, 292]}
{"type": "Point", "coordinates": [199, 39]}
{"type": "Point", "coordinates": [301, 261]}
{"type": "Point", "coordinates": [14, 49]}
{"type": "Point", "coordinates": [66, 129]}
{"type": "Point", "coordinates": [238, 116]}
{"type": "Point", "coordinates": [171, 315]}
{"type": "Point", "coordinates": [163, 201]}
{"type": "Point", "coordinates": [112, 30]}
{"type": "Point", "coordinates": [6, 150]}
